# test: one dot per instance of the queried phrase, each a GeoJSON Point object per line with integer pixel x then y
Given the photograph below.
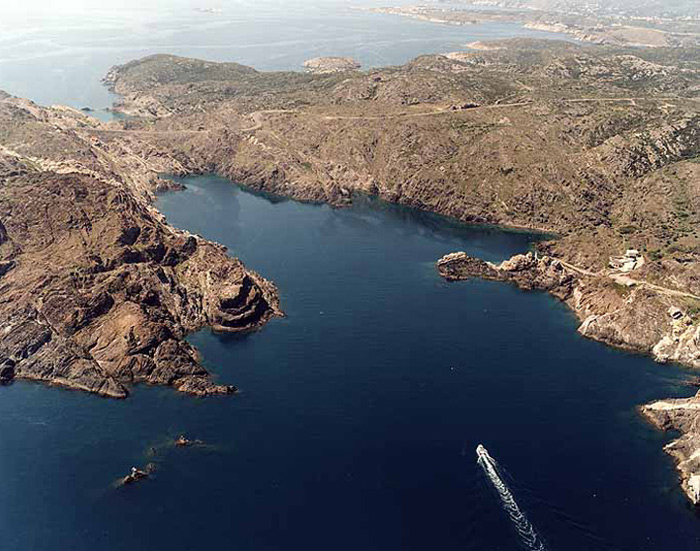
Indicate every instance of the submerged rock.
{"type": "Point", "coordinates": [183, 442]}
{"type": "Point", "coordinates": [137, 474]}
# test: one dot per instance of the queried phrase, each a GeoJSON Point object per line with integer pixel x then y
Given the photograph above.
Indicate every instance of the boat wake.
{"type": "Point", "coordinates": [526, 532]}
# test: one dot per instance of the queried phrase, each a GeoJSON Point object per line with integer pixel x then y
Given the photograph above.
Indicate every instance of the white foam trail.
{"type": "Point", "coordinates": [525, 530]}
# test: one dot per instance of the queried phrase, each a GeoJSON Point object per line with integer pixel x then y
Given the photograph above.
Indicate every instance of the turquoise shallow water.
{"type": "Point", "coordinates": [359, 412]}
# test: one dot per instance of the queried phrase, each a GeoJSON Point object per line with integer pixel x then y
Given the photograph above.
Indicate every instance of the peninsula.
{"type": "Point", "coordinates": [98, 291]}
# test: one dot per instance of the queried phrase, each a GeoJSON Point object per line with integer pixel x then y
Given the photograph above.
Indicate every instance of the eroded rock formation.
{"type": "Point", "coordinates": [97, 292]}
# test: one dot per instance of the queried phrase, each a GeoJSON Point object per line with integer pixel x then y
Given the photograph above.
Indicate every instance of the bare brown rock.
{"type": "Point", "coordinates": [97, 291]}
{"type": "Point", "coordinates": [330, 65]}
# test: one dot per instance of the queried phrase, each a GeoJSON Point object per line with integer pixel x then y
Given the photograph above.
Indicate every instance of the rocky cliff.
{"type": "Point", "coordinates": [97, 291]}
{"type": "Point", "coordinates": [613, 307]}
{"type": "Point", "coordinates": [681, 415]}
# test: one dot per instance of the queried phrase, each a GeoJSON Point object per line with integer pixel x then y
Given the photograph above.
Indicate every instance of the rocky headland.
{"type": "Point", "coordinates": [681, 415]}
{"type": "Point", "coordinates": [480, 45]}
{"type": "Point", "coordinates": [619, 35]}
{"type": "Point", "coordinates": [614, 307]}
{"type": "Point", "coordinates": [98, 291]}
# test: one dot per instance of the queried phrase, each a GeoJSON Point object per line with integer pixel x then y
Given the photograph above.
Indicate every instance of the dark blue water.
{"type": "Point", "coordinates": [359, 412]}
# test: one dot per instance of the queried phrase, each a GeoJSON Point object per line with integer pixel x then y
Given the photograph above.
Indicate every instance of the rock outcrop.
{"type": "Point", "coordinates": [136, 474]}
{"type": "Point", "coordinates": [97, 291]}
{"type": "Point", "coordinates": [527, 271]}
{"type": "Point", "coordinates": [681, 415]}
{"type": "Point", "coordinates": [330, 65]}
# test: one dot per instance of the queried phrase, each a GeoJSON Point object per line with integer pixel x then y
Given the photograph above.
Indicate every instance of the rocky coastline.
{"type": "Point", "coordinates": [598, 147]}
{"type": "Point", "coordinates": [98, 291]}
{"type": "Point", "coordinates": [589, 25]}
{"type": "Point", "coordinates": [627, 36]}
{"type": "Point", "coordinates": [612, 307]}
{"type": "Point", "coordinates": [635, 318]}
{"type": "Point", "coordinates": [681, 416]}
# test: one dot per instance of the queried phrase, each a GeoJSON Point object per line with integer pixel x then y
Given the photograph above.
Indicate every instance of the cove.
{"type": "Point", "coordinates": [359, 412]}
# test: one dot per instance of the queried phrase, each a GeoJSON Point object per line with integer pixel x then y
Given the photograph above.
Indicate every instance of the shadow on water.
{"type": "Point", "coordinates": [371, 212]}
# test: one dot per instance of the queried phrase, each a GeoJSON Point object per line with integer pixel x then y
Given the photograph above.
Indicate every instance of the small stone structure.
{"type": "Point", "coordinates": [631, 260]}
{"type": "Point", "coordinates": [463, 106]}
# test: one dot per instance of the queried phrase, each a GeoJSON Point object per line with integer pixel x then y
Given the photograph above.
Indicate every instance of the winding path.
{"type": "Point", "coordinates": [627, 281]}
